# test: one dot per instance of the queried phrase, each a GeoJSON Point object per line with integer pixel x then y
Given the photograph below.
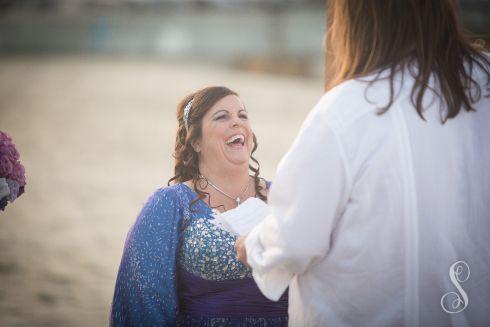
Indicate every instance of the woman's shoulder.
{"type": "Point", "coordinates": [346, 106]}
{"type": "Point", "coordinates": [171, 194]}
{"type": "Point", "coordinates": [168, 191]}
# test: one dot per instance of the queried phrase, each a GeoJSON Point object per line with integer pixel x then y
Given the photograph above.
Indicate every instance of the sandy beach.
{"type": "Point", "coordinates": [96, 137]}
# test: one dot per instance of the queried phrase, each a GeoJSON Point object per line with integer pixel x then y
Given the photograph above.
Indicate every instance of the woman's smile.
{"type": "Point", "coordinates": [236, 141]}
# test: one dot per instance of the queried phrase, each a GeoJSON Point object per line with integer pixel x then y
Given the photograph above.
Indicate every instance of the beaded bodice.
{"type": "Point", "coordinates": [206, 250]}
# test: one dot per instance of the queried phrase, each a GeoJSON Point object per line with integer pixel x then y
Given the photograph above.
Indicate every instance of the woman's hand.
{"type": "Point", "coordinates": [241, 251]}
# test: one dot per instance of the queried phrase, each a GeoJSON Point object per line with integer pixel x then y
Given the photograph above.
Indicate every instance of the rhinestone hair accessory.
{"type": "Point", "coordinates": [187, 110]}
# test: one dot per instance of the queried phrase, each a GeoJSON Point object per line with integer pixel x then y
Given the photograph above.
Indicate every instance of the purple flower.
{"type": "Point", "coordinates": [5, 137]}
{"type": "Point", "coordinates": [11, 170]}
{"type": "Point", "coordinates": [14, 189]}
{"type": "Point", "coordinates": [4, 188]}
{"type": "Point", "coordinates": [9, 150]}
{"type": "Point", "coordinates": [18, 173]}
{"type": "Point", "coordinates": [3, 203]}
{"type": "Point", "coordinates": [21, 191]}
{"type": "Point", "coordinates": [6, 166]}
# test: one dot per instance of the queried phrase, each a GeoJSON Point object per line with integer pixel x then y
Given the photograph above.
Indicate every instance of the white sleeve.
{"type": "Point", "coordinates": [308, 194]}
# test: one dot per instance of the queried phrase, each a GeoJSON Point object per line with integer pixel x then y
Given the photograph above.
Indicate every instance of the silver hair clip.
{"type": "Point", "coordinates": [187, 110]}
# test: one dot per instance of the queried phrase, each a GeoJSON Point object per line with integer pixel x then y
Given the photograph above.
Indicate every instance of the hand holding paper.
{"type": "Point", "coordinates": [241, 251]}
{"type": "Point", "coordinates": [241, 220]}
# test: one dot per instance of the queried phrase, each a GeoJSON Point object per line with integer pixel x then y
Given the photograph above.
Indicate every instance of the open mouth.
{"type": "Point", "coordinates": [237, 140]}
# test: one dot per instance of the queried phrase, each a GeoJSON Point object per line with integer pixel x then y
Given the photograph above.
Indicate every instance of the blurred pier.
{"type": "Point", "coordinates": [270, 36]}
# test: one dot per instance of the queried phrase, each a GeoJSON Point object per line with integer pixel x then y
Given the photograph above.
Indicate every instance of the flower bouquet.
{"type": "Point", "coordinates": [12, 173]}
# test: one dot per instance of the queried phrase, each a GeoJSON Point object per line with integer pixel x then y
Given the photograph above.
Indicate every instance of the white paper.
{"type": "Point", "coordinates": [218, 222]}
{"type": "Point", "coordinates": [242, 219]}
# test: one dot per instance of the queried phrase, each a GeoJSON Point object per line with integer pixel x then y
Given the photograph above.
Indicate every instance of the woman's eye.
{"type": "Point", "coordinates": [220, 117]}
{"type": "Point", "coordinates": [244, 117]}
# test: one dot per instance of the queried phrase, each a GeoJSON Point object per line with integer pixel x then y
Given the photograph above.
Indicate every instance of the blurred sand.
{"type": "Point", "coordinates": [96, 137]}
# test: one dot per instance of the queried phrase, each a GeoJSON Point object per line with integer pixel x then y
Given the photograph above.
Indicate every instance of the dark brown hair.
{"type": "Point", "coordinates": [369, 36]}
{"type": "Point", "coordinates": [186, 159]}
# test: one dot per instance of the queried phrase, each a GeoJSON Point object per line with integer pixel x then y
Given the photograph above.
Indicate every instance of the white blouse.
{"type": "Point", "coordinates": [371, 213]}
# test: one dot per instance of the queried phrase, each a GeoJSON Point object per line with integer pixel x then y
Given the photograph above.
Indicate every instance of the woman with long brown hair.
{"type": "Point", "coordinates": [178, 268]}
{"type": "Point", "coordinates": [381, 208]}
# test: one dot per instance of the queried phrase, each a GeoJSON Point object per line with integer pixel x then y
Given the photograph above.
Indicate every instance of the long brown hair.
{"type": "Point", "coordinates": [186, 159]}
{"type": "Point", "coordinates": [371, 36]}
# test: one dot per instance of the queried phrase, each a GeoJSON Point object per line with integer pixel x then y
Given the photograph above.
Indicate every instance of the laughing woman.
{"type": "Point", "coordinates": [177, 267]}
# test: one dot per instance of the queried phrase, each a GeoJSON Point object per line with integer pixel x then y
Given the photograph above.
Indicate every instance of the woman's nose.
{"type": "Point", "coordinates": [236, 121]}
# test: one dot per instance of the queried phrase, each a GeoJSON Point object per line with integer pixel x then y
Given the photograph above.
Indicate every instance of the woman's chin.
{"type": "Point", "coordinates": [238, 159]}
{"type": "Point", "coordinates": [235, 156]}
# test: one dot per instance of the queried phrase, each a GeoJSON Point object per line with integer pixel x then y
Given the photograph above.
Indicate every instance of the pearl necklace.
{"type": "Point", "coordinates": [237, 199]}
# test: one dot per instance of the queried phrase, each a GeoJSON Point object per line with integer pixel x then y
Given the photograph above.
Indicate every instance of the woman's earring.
{"type": "Point", "coordinates": [197, 149]}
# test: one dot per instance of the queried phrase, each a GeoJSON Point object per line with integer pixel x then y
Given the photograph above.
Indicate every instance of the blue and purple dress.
{"type": "Point", "coordinates": [178, 269]}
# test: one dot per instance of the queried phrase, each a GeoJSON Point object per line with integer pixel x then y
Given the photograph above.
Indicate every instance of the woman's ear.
{"type": "Point", "coordinates": [196, 146]}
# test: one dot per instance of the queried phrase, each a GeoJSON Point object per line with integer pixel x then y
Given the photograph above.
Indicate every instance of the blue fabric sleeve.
{"type": "Point", "coordinates": [146, 290]}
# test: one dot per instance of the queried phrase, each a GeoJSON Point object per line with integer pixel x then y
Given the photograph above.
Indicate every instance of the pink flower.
{"type": "Point", "coordinates": [6, 166]}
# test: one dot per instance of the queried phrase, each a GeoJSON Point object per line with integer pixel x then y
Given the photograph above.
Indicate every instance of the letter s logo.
{"type": "Point", "coordinates": [459, 272]}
